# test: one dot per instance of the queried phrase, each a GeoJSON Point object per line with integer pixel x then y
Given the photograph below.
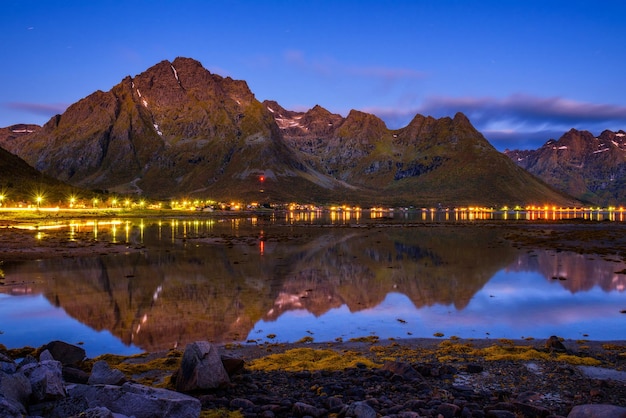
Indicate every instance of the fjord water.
{"type": "Point", "coordinates": [263, 278]}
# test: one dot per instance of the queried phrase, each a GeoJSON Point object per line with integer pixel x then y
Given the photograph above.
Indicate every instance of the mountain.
{"type": "Point", "coordinates": [429, 161]}
{"type": "Point", "coordinates": [177, 130]}
{"type": "Point", "coordinates": [590, 168]}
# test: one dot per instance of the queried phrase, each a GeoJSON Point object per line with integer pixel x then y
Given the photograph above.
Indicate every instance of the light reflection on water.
{"type": "Point", "coordinates": [244, 279]}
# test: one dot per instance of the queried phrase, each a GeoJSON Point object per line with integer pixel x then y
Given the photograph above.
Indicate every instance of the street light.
{"type": "Point", "coordinates": [38, 199]}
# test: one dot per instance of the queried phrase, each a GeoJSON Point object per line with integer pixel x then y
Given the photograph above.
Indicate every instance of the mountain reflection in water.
{"type": "Point", "coordinates": [242, 282]}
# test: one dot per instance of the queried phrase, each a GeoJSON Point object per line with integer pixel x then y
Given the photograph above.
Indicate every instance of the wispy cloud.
{"type": "Point", "coordinates": [42, 109]}
{"type": "Point", "coordinates": [517, 121]}
{"type": "Point", "coordinates": [528, 110]}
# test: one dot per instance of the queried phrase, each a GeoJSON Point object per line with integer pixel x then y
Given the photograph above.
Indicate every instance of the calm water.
{"type": "Point", "coordinates": [282, 279]}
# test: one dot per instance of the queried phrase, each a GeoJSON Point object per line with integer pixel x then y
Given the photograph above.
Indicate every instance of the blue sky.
{"type": "Point", "coordinates": [522, 71]}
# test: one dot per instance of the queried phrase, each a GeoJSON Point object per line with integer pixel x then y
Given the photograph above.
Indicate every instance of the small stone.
{"type": "Point", "coordinates": [474, 368]}
{"type": "Point", "coordinates": [240, 403]}
{"type": "Point", "coordinates": [360, 410]}
{"type": "Point", "coordinates": [500, 413]}
{"type": "Point", "coordinates": [448, 410]}
{"type": "Point", "coordinates": [597, 411]}
{"type": "Point", "coordinates": [529, 410]}
{"type": "Point", "coordinates": [302, 409]}
{"type": "Point", "coordinates": [404, 370]}
{"type": "Point", "coordinates": [554, 344]}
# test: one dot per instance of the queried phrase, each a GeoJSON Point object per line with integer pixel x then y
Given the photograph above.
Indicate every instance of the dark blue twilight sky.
{"type": "Point", "coordinates": [522, 71]}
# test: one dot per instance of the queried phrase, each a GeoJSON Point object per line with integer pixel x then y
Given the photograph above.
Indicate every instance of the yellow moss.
{"type": "Point", "coordinates": [613, 347]}
{"type": "Point", "coordinates": [304, 340]}
{"type": "Point", "coordinates": [22, 352]}
{"type": "Point", "coordinates": [220, 413]}
{"type": "Point", "coordinates": [371, 339]}
{"type": "Point", "coordinates": [168, 363]}
{"type": "Point", "coordinates": [513, 353]}
{"type": "Point", "coordinates": [299, 359]}
{"type": "Point", "coordinates": [583, 361]}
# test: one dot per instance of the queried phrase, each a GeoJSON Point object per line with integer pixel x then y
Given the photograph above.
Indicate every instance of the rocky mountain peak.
{"type": "Point", "coordinates": [178, 129]}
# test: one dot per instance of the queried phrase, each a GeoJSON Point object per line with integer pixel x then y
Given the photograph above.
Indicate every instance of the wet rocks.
{"type": "Point", "coordinates": [38, 388]}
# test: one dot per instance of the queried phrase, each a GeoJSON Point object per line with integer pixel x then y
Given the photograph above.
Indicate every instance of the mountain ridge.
{"type": "Point", "coordinates": [178, 129]}
{"type": "Point", "coordinates": [588, 167]}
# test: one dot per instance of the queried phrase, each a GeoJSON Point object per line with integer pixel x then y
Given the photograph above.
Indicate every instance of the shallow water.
{"type": "Point", "coordinates": [267, 279]}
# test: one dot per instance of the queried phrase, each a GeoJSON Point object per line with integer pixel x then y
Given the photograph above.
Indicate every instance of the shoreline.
{"type": "Point", "coordinates": [428, 376]}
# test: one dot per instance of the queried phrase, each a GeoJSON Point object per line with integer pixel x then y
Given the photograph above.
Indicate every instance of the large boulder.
{"type": "Point", "coordinates": [133, 399]}
{"type": "Point", "coordinates": [67, 354]}
{"type": "Point", "coordinates": [201, 368]}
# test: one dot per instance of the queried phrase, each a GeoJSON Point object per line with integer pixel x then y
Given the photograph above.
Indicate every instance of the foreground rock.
{"type": "Point", "coordinates": [37, 388]}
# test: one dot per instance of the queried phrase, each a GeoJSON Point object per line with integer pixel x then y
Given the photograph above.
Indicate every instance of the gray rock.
{"type": "Point", "coordinates": [45, 355]}
{"type": "Point", "coordinates": [500, 413]}
{"type": "Point", "coordinates": [597, 411]}
{"type": "Point", "coordinates": [7, 365]}
{"type": "Point", "coordinates": [99, 412]}
{"type": "Point", "coordinates": [360, 410]}
{"type": "Point", "coordinates": [603, 373]}
{"type": "Point", "coordinates": [14, 392]}
{"type": "Point", "coordinates": [9, 409]}
{"type": "Point", "coordinates": [448, 410]}
{"type": "Point", "coordinates": [201, 368]}
{"type": "Point", "coordinates": [402, 369]}
{"type": "Point", "coordinates": [302, 409]}
{"type": "Point", "coordinates": [66, 353]}
{"type": "Point", "coordinates": [136, 400]}
{"type": "Point", "coordinates": [46, 380]}
{"type": "Point", "coordinates": [102, 374]}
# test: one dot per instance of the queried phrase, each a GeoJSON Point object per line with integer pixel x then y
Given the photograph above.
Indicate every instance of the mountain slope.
{"type": "Point", "coordinates": [173, 129]}
{"type": "Point", "coordinates": [176, 130]}
{"type": "Point", "coordinates": [430, 161]}
{"type": "Point", "coordinates": [590, 168]}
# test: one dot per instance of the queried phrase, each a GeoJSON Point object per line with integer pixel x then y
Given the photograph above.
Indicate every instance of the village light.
{"type": "Point", "coordinates": [38, 199]}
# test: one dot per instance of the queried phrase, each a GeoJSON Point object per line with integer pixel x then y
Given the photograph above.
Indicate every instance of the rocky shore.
{"type": "Point", "coordinates": [360, 378]}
